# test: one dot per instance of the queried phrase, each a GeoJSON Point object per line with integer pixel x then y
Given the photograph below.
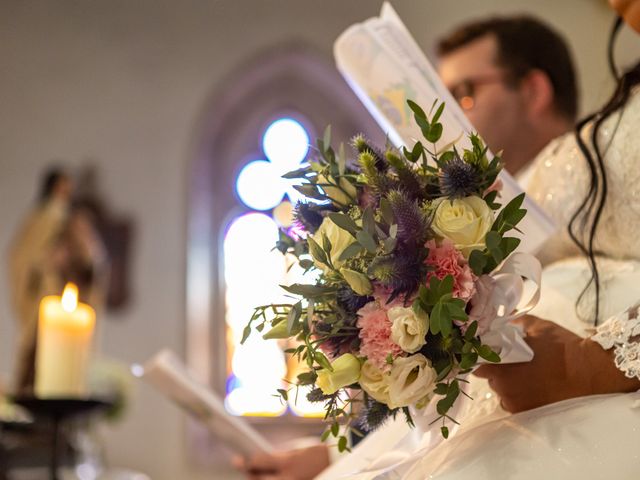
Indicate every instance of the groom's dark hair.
{"type": "Point", "coordinates": [524, 43]}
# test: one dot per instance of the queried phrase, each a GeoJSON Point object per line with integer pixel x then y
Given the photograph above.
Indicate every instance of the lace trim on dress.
{"type": "Point", "coordinates": [622, 333]}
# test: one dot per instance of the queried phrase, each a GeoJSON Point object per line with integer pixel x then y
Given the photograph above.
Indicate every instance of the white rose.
{"type": "Point", "coordinates": [408, 330]}
{"type": "Point", "coordinates": [340, 239]}
{"type": "Point", "coordinates": [464, 221]}
{"type": "Point", "coordinates": [412, 380]}
{"type": "Point", "coordinates": [375, 382]}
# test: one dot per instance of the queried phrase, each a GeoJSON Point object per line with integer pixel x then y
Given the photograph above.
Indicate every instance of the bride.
{"type": "Point", "coordinates": [575, 421]}
{"type": "Point", "coordinates": [565, 414]}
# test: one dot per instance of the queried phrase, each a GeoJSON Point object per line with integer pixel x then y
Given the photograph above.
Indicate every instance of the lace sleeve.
{"type": "Point", "coordinates": [622, 333]}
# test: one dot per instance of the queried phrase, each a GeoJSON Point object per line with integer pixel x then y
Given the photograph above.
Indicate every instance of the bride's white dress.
{"type": "Point", "coordinates": [584, 438]}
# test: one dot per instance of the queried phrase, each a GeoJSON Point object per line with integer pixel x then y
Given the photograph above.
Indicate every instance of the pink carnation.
{"type": "Point", "coordinates": [447, 260]}
{"type": "Point", "coordinates": [375, 335]}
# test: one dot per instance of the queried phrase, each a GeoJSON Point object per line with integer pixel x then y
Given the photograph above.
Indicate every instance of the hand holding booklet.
{"type": "Point", "coordinates": [168, 374]}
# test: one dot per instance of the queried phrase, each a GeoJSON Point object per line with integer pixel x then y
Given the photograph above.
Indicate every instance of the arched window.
{"type": "Point", "coordinates": [261, 125]}
{"type": "Point", "coordinates": [253, 272]}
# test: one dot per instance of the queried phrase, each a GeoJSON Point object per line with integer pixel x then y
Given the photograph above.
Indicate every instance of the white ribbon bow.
{"type": "Point", "coordinates": [511, 302]}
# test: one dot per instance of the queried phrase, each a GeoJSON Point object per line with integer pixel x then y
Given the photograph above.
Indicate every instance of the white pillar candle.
{"type": "Point", "coordinates": [65, 331]}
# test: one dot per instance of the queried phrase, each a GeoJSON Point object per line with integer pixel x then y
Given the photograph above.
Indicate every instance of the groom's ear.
{"type": "Point", "coordinates": [538, 93]}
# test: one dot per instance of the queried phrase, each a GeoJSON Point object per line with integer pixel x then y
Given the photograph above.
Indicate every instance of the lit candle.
{"type": "Point", "coordinates": [65, 330]}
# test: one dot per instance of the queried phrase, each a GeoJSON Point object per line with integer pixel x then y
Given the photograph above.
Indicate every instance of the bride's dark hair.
{"type": "Point", "coordinates": [584, 222]}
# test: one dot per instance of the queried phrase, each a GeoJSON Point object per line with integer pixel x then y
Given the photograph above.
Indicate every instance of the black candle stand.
{"type": "Point", "coordinates": [59, 410]}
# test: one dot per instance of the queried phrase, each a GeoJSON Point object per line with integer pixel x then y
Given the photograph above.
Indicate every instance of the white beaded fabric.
{"type": "Point", "coordinates": [560, 180]}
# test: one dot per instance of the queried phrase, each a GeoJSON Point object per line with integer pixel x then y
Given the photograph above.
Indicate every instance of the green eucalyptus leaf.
{"type": "Point", "coordinates": [477, 262]}
{"type": "Point", "coordinates": [367, 241]}
{"type": "Point", "coordinates": [471, 330]}
{"type": "Point", "coordinates": [307, 378]}
{"type": "Point", "coordinates": [436, 314]}
{"type": "Point", "coordinates": [416, 109]}
{"type": "Point", "coordinates": [300, 173]}
{"type": "Point", "coordinates": [468, 360]}
{"type": "Point", "coordinates": [284, 394]}
{"type": "Point", "coordinates": [368, 221]}
{"type": "Point", "coordinates": [446, 157]}
{"type": "Point", "coordinates": [508, 245]}
{"type": "Point", "coordinates": [327, 138]}
{"type": "Point", "coordinates": [245, 334]}
{"type": "Point", "coordinates": [390, 244]}
{"type": "Point", "coordinates": [342, 444]}
{"type": "Point", "coordinates": [351, 251]}
{"type": "Point", "coordinates": [489, 355]}
{"type": "Point", "coordinates": [309, 290]}
{"type": "Point", "coordinates": [305, 263]}
{"type": "Point", "coordinates": [310, 190]}
{"type": "Point", "coordinates": [345, 222]}
{"type": "Point", "coordinates": [456, 312]}
{"type": "Point", "coordinates": [322, 360]}
{"type": "Point", "coordinates": [441, 389]}
{"type": "Point", "coordinates": [446, 285]}
{"type": "Point", "coordinates": [438, 113]}
{"type": "Point", "coordinates": [293, 319]}
{"type": "Point", "coordinates": [316, 251]}
{"type": "Point", "coordinates": [434, 133]}
{"type": "Point", "coordinates": [446, 322]}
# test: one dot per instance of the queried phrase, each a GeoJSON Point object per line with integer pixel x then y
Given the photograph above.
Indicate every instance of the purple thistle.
{"type": "Point", "coordinates": [351, 302]}
{"type": "Point", "coordinates": [306, 215]}
{"type": "Point", "coordinates": [458, 178]}
{"type": "Point", "coordinates": [373, 414]}
{"type": "Point", "coordinates": [413, 223]}
{"type": "Point", "coordinates": [402, 271]}
{"type": "Point", "coordinates": [361, 145]}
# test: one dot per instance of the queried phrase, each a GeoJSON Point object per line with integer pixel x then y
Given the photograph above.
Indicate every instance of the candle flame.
{"type": "Point", "coordinates": [70, 297]}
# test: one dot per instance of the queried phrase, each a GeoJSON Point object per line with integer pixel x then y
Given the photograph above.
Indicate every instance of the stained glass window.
{"type": "Point", "coordinates": [253, 272]}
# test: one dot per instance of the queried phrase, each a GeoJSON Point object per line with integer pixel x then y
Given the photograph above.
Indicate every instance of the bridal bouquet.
{"type": "Point", "coordinates": [404, 243]}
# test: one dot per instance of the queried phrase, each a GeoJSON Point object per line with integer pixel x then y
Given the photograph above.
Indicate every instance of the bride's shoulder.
{"type": "Point", "coordinates": [557, 174]}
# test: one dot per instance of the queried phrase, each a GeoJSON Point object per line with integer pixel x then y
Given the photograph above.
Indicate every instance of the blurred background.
{"type": "Point", "coordinates": [166, 103]}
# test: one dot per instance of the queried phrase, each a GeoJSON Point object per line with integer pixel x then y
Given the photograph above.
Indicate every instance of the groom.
{"type": "Point", "coordinates": [514, 78]}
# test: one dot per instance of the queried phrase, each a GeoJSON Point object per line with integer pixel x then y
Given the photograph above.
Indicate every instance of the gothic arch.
{"type": "Point", "coordinates": [285, 79]}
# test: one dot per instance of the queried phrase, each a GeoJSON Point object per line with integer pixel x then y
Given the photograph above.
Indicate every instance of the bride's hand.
{"type": "Point", "coordinates": [298, 464]}
{"type": "Point", "coordinates": [564, 366]}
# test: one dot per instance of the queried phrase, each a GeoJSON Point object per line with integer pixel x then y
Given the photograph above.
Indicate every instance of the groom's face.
{"type": "Point", "coordinates": [492, 102]}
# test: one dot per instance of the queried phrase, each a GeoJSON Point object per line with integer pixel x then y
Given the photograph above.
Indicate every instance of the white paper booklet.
{"type": "Point", "coordinates": [385, 67]}
{"type": "Point", "coordinates": [166, 372]}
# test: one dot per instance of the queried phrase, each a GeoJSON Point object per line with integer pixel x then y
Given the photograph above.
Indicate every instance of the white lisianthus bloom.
{"type": "Point", "coordinates": [340, 239]}
{"type": "Point", "coordinates": [346, 370]}
{"type": "Point", "coordinates": [375, 382]}
{"type": "Point", "coordinates": [412, 380]}
{"type": "Point", "coordinates": [408, 330]}
{"type": "Point", "coordinates": [344, 192]}
{"type": "Point", "coordinates": [464, 221]}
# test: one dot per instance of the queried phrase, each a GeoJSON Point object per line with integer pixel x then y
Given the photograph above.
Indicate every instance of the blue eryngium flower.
{"type": "Point", "coordinates": [458, 179]}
